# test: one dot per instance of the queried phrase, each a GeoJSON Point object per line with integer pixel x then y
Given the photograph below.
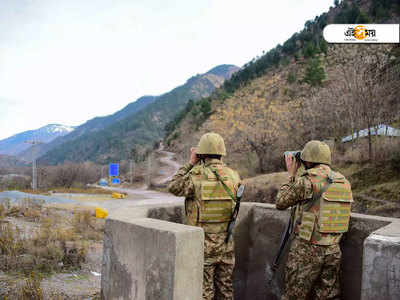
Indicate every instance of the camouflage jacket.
{"type": "Point", "coordinates": [183, 184]}
{"type": "Point", "coordinates": [299, 192]}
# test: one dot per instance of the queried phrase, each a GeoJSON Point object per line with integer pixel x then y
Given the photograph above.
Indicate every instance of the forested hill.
{"type": "Point", "coordinates": [301, 90]}
{"type": "Point", "coordinates": [95, 124]}
{"type": "Point", "coordinates": [139, 129]}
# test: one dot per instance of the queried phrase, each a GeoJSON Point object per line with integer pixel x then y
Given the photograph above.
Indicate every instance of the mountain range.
{"type": "Point", "coordinates": [111, 138]}
{"type": "Point", "coordinates": [18, 143]}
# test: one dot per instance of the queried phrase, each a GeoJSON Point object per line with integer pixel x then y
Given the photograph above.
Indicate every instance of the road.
{"type": "Point", "coordinates": [143, 196]}
{"type": "Point", "coordinates": [168, 166]}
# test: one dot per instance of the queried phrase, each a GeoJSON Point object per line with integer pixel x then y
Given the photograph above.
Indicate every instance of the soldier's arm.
{"type": "Point", "coordinates": [181, 184]}
{"type": "Point", "coordinates": [293, 193]}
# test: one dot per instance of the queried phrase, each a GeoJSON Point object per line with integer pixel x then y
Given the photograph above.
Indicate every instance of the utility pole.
{"type": "Point", "coordinates": [34, 169]}
{"type": "Point", "coordinates": [149, 171]}
{"type": "Point", "coordinates": [131, 168]}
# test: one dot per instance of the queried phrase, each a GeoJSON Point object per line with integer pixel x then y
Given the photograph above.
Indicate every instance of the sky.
{"type": "Point", "coordinates": [67, 61]}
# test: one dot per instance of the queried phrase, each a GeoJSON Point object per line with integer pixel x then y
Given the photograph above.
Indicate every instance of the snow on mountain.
{"type": "Point", "coordinates": [18, 143]}
{"type": "Point", "coordinates": [57, 128]}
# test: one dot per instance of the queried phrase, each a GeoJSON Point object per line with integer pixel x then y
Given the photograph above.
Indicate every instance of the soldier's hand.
{"type": "Point", "coordinates": [291, 165]}
{"type": "Point", "coordinates": [193, 156]}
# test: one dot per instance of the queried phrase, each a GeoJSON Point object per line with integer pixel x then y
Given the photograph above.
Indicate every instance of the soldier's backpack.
{"type": "Point", "coordinates": [333, 192]}
{"type": "Point", "coordinates": [214, 201]}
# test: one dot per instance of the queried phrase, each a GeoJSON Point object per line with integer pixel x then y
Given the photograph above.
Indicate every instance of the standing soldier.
{"type": "Point", "coordinates": [323, 199]}
{"type": "Point", "coordinates": [209, 204]}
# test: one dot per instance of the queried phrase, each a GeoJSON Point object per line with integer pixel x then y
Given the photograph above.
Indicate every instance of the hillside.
{"type": "Point", "coordinates": [115, 141]}
{"type": "Point", "coordinates": [15, 145]}
{"type": "Point", "coordinates": [92, 125]}
{"type": "Point", "coordinates": [299, 91]}
{"type": "Point", "coordinates": [308, 89]}
{"type": "Point", "coordinates": [7, 161]}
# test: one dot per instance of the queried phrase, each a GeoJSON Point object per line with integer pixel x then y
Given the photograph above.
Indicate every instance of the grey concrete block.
{"type": "Point", "coordinates": [381, 264]}
{"type": "Point", "coordinates": [152, 259]}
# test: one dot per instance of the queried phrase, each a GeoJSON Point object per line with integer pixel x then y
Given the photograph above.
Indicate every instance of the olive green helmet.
{"type": "Point", "coordinates": [316, 152]}
{"type": "Point", "coordinates": [211, 143]}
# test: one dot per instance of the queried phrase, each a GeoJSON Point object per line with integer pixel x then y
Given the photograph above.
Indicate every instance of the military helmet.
{"type": "Point", "coordinates": [316, 152]}
{"type": "Point", "coordinates": [211, 143]}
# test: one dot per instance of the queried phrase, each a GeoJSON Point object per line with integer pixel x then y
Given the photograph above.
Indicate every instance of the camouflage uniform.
{"type": "Point", "coordinates": [313, 265]}
{"type": "Point", "coordinates": [219, 259]}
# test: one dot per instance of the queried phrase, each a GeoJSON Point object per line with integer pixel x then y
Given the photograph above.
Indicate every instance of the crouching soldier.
{"type": "Point", "coordinates": [210, 188]}
{"type": "Point", "coordinates": [322, 198]}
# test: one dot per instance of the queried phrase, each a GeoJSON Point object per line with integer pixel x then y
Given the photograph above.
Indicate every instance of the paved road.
{"type": "Point", "coordinates": [143, 196]}
{"type": "Point", "coordinates": [135, 196]}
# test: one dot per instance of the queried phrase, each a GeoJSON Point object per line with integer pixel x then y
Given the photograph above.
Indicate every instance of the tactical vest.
{"type": "Point", "coordinates": [214, 205]}
{"type": "Point", "coordinates": [327, 214]}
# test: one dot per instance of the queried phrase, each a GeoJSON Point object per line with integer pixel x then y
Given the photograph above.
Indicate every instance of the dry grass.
{"type": "Point", "coordinates": [52, 248]}
{"type": "Point", "coordinates": [60, 242]}
{"type": "Point", "coordinates": [28, 209]}
{"type": "Point", "coordinates": [87, 226]}
{"type": "Point", "coordinates": [31, 288]}
{"type": "Point", "coordinates": [86, 190]}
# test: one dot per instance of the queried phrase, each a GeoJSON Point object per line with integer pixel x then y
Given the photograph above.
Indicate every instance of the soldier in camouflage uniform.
{"type": "Point", "coordinates": [210, 206]}
{"type": "Point", "coordinates": [322, 199]}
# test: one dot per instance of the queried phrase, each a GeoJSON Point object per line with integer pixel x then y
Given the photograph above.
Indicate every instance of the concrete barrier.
{"type": "Point", "coordinates": [370, 266]}
{"type": "Point", "coordinates": [151, 259]}
{"type": "Point", "coordinates": [381, 264]}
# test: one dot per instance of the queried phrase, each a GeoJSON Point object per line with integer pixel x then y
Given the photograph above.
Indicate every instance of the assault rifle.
{"type": "Point", "coordinates": [235, 213]}
{"type": "Point", "coordinates": [284, 239]}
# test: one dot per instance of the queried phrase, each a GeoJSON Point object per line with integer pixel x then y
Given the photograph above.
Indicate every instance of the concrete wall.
{"type": "Point", "coordinates": [151, 259]}
{"type": "Point", "coordinates": [381, 264]}
{"type": "Point", "coordinates": [257, 238]}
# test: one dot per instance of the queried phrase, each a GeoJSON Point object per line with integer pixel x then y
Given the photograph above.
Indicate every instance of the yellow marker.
{"type": "Point", "coordinates": [118, 195]}
{"type": "Point", "coordinates": [101, 213]}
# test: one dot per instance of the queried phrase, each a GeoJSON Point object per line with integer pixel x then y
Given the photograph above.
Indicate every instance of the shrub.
{"type": "Point", "coordinates": [31, 288]}
{"type": "Point", "coordinates": [52, 248]}
{"type": "Point", "coordinates": [292, 77]}
{"type": "Point", "coordinates": [315, 73]}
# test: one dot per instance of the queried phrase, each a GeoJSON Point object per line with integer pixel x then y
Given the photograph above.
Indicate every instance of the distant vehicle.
{"type": "Point", "coordinates": [103, 182]}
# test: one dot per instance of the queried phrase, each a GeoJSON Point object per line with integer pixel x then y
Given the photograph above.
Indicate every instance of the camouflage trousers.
{"type": "Point", "coordinates": [312, 271]}
{"type": "Point", "coordinates": [219, 260]}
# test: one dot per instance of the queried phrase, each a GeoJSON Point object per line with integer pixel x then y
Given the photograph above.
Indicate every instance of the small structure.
{"type": "Point", "coordinates": [380, 130]}
{"type": "Point", "coordinates": [103, 182]}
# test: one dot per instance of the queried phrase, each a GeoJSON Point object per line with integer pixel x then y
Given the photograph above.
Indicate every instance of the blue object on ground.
{"type": "Point", "coordinates": [103, 182]}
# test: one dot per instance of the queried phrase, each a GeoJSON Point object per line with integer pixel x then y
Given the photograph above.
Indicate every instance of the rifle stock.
{"type": "Point", "coordinates": [284, 239]}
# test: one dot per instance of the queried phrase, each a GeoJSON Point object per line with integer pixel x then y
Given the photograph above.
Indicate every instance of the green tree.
{"type": "Point", "coordinates": [323, 46]}
{"type": "Point", "coordinates": [336, 2]}
{"type": "Point", "coordinates": [315, 73]}
{"type": "Point", "coordinates": [363, 18]}
{"type": "Point", "coordinates": [205, 106]}
{"type": "Point", "coordinates": [309, 50]}
{"type": "Point", "coordinates": [292, 77]}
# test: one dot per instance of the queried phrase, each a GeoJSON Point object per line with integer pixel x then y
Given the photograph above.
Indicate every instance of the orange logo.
{"type": "Point", "coordinates": [360, 32]}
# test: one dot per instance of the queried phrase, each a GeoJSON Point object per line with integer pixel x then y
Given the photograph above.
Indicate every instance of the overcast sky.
{"type": "Point", "coordinates": [67, 61]}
